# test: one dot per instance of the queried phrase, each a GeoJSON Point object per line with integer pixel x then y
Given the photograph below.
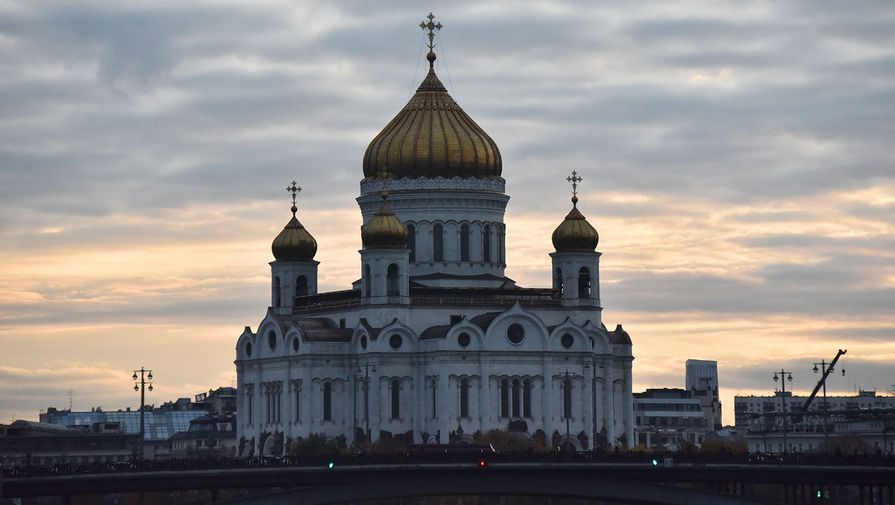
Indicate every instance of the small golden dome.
{"type": "Point", "coordinates": [384, 230]}
{"type": "Point", "coordinates": [294, 243]}
{"type": "Point", "coordinates": [575, 234]}
{"type": "Point", "coordinates": [432, 137]}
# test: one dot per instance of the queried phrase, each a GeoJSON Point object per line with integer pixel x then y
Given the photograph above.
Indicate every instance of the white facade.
{"type": "Point", "coordinates": [434, 343]}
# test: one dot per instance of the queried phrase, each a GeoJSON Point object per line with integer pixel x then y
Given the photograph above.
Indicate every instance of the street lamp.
{"type": "Point", "coordinates": [784, 376]}
{"type": "Point", "coordinates": [140, 384]}
{"type": "Point", "coordinates": [365, 382]}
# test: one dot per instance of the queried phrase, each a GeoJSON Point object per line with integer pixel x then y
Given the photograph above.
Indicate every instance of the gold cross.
{"type": "Point", "coordinates": [385, 173]}
{"type": "Point", "coordinates": [294, 189]}
{"type": "Point", "coordinates": [574, 179]}
{"type": "Point", "coordinates": [432, 26]}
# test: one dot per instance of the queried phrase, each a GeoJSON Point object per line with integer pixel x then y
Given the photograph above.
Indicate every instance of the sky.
{"type": "Point", "coordinates": [736, 160]}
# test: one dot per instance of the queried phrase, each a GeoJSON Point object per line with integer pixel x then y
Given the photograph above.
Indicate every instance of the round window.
{"type": "Point", "coordinates": [248, 348]}
{"type": "Point", "coordinates": [363, 342]}
{"type": "Point", "coordinates": [395, 341]}
{"type": "Point", "coordinates": [567, 340]}
{"type": "Point", "coordinates": [295, 344]}
{"type": "Point", "coordinates": [463, 339]}
{"type": "Point", "coordinates": [272, 339]}
{"type": "Point", "coordinates": [515, 333]}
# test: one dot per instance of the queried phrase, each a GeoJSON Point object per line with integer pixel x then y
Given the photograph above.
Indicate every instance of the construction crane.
{"type": "Point", "coordinates": [822, 383]}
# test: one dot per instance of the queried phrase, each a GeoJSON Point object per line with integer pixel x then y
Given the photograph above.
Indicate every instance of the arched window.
{"type": "Point", "coordinates": [276, 291]}
{"type": "Point", "coordinates": [567, 398]}
{"type": "Point", "coordinates": [464, 242]}
{"type": "Point", "coordinates": [584, 283]}
{"type": "Point", "coordinates": [327, 401]}
{"type": "Point", "coordinates": [500, 247]}
{"type": "Point", "coordinates": [526, 398]}
{"type": "Point", "coordinates": [301, 286]}
{"type": "Point", "coordinates": [486, 244]}
{"type": "Point", "coordinates": [367, 284]}
{"type": "Point", "coordinates": [437, 243]}
{"type": "Point", "coordinates": [464, 398]}
{"type": "Point", "coordinates": [504, 398]}
{"type": "Point", "coordinates": [297, 402]}
{"type": "Point", "coordinates": [411, 241]}
{"type": "Point", "coordinates": [392, 280]}
{"type": "Point", "coordinates": [516, 391]}
{"type": "Point", "coordinates": [558, 281]}
{"type": "Point", "coordinates": [396, 399]}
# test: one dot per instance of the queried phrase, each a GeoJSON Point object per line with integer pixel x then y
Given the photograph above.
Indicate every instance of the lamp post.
{"type": "Point", "coordinates": [784, 376]}
{"type": "Point", "coordinates": [365, 382]}
{"type": "Point", "coordinates": [823, 370]}
{"type": "Point", "coordinates": [140, 384]}
{"type": "Point", "coordinates": [567, 396]}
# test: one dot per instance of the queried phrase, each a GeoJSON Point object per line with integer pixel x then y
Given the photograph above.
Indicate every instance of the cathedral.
{"type": "Point", "coordinates": [434, 344]}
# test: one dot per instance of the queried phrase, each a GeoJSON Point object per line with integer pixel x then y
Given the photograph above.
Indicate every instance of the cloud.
{"type": "Point", "coordinates": [736, 162]}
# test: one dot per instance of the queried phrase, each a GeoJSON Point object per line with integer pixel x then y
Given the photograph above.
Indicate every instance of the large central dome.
{"type": "Point", "coordinates": [432, 137]}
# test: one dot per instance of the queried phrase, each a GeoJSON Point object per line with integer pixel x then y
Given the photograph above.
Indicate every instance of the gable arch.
{"type": "Point", "coordinates": [262, 347]}
{"type": "Point", "coordinates": [246, 338]}
{"type": "Point", "coordinates": [409, 338]}
{"type": "Point", "coordinates": [581, 339]}
{"type": "Point", "coordinates": [476, 336]}
{"type": "Point", "coordinates": [601, 340]}
{"type": "Point", "coordinates": [536, 332]}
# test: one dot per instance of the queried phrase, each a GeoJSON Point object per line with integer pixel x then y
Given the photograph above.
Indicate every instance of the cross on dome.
{"type": "Point", "coordinates": [574, 179]}
{"type": "Point", "coordinates": [432, 26]}
{"type": "Point", "coordinates": [294, 189]}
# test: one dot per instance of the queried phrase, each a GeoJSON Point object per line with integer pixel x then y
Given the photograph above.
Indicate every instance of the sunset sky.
{"type": "Point", "coordinates": [737, 161]}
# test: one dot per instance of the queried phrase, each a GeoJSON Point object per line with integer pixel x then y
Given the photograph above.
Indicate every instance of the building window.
{"type": "Point", "coordinates": [567, 340]}
{"type": "Point", "coordinates": [367, 276]}
{"type": "Point", "coordinates": [327, 401]}
{"type": "Point", "coordinates": [567, 398]}
{"type": "Point", "coordinates": [434, 398]}
{"type": "Point", "coordinates": [526, 398]}
{"type": "Point", "coordinates": [584, 283]}
{"type": "Point", "coordinates": [558, 282]}
{"type": "Point", "coordinates": [515, 333]}
{"type": "Point", "coordinates": [250, 403]}
{"type": "Point", "coordinates": [464, 398]}
{"type": "Point", "coordinates": [411, 241]}
{"type": "Point", "coordinates": [276, 291]}
{"type": "Point", "coordinates": [297, 402]}
{"type": "Point", "coordinates": [516, 393]}
{"type": "Point", "coordinates": [486, 244]}
{"type": "Point", "coordinates": [295, 344]}
{"type": "Point", "coordinates": [463, 339]}
{"type": "Point", "coordinates": [464, 242]}
{"type": "Point", "coordinates": [272, 339]}
{"type": "Point", "coordinates": [248, 349]}
{"type": "Point", "coordinates": [504, 398]}
{"type": "Point", "coordinates": [301, 286]}
{"type": "Point", "coordinates": [396, 399]}
{"type": "Point", "coordinates": [395, 341]}
{"type": "Point", "coordinates": [437, 243]}
{"type": "Point", "coordinates": [500, 246]}
{"type": "Point", "coordinates": [392, 280]}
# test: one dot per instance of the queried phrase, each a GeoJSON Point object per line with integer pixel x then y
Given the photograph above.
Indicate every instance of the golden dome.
{"type": "Point", "coordinates": [384, 230]}
{"type": "Point", "coordinates": [294, 243]}
{"type": "Point", "coordinates": [432, 137]}
{"type": "Point", "coordinates": [575, 234]}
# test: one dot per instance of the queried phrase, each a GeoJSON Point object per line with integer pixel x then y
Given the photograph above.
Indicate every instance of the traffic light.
{"type": "Point", "coordinates": [331, 465]}
{"type": "Point", "coordinates": [655, 462]}
{"type": "Point", "coordinates": [482, 463]}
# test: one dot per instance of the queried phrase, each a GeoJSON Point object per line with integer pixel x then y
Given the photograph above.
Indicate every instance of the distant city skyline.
{"type": "Point", "coordinates": [735, 158]}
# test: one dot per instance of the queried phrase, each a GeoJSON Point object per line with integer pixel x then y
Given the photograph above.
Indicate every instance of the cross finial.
{"type": "Point", "coordinates": [384, 174]}
{"type": "Point", "coordinates": [294, 189]}
{"type": "Point", "coordinates": [432, 26]}
{"type": "Point", "coordinates": [574, 179]}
